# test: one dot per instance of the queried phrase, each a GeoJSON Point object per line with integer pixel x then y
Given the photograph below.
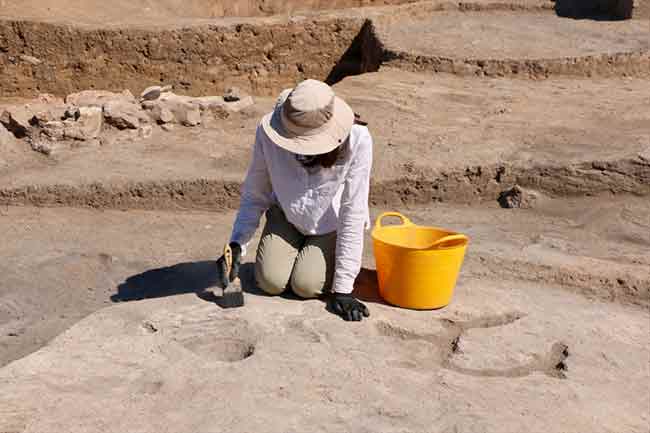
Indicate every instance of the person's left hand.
{"type": "Point", "coordinates": [347, 306]}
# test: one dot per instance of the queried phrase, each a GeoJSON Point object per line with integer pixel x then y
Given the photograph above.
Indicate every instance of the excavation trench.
{"type": "Point", "coordinates": [468, 185]}
{"type": "Point", "coordinates": [260, 55]}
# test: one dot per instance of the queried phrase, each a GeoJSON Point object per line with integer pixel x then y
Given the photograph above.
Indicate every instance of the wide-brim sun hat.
{"type": "Point", "coordinates": [309, 119]}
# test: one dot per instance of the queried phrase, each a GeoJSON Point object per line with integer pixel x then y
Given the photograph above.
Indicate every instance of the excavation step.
{"type": "Point", "coordinates": [516, 44]}
{"type": "Point", "coordinates": [435, 138]}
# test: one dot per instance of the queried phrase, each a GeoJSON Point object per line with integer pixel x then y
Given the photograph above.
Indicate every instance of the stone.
{"type": "Point", "coordinates": [183, 109]}
{"type": "Point", "coordinates": [151, 93]}
{"type": "Point", "coordinates": [167, 127]}
{"type": "Point", "coordinates": [146, 131]}
{"type": "Point", "coordinates": [238, 106]}
{"type": "Point", "coordinates": [124, 115]}
{"type": "Point", "coordinates": [518, 198]}
{"type": "Point", "coordinates": [30, 59]}
{"type": "Point", "coordinates": [208, 102]}
{"type": "Point", "coordinates": [88, 126]}
{"type": "Point", "coordinates": [44, 146]}
{"type": "Point", "coordinates": [98, 98]}
{"type": "Point", "coordinates": [188, 115]}
{"type": "Point", "coordinates": [17, 121]}
{"type": "Point", "coordinates": [233, 94]}
{"type": "Point", "coordinates": [162, 115]}
{"type": "Point", "coordinates": [54, 130]}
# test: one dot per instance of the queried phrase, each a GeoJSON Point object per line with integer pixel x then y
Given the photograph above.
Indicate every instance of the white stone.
{"type": "Point", "coordinates": [184, 109]}
{"type": "Point", "coordinates": [30, 59]}
{"type": "Point", "coordinates": [87, 126]}
{"type": "Point", "coordinates": [124, 115]}
{"type": "Point", "coordinates": [151, 93]}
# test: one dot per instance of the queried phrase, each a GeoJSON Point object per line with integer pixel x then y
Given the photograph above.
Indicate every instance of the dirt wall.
{"type": "Point", "coordinates": [40, 57]}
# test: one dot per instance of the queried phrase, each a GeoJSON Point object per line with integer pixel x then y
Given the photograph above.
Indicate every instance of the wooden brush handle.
{"type": "Point", "coordinates": [227, 254]}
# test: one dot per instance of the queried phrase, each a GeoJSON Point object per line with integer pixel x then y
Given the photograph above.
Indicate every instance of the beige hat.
{"type": "Point", "coordinates": [309, 119]}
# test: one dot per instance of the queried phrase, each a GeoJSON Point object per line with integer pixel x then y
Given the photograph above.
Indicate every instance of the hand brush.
{"type": "Point", "coordinates": [232, 296]}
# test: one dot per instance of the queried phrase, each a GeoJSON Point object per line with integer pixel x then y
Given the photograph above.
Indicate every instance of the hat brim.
{"type": "Point", "coordinates": [327, 138]}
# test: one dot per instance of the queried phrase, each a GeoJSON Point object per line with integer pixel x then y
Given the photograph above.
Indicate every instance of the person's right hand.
{"type": "Point", "coordinates": [222, 266]}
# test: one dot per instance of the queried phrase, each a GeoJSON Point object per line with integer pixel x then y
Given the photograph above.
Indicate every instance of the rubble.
{"type": "Point", "coordinates": [54, 130]}
{"type": "Point", "coordinates": [124, 115]}
{"type": "Point", "coordinates": [172, 108]}
{"type": "Point", "coordinates": [49, 120]}
{"type": "Point", "coordinates": [87, 126]}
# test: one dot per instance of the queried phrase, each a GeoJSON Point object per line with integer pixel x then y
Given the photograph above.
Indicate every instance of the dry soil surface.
{"type": "Point", "coordinates": [513, 352]}
{"type": "Point", "coordinates": [510, 35]}
{"type": "Point", "coordinates": [107, 317]}
{"type": "Point", "coordinates": [143, 12]}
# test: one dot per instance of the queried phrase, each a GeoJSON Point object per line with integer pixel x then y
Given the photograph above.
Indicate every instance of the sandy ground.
{"type": "Point", "coordinates": [509, 35]}
{"type": "Point", "coordinates": [600, 254]}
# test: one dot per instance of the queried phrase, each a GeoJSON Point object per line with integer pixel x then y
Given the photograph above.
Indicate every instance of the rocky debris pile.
{"type": "Point", "coordinates": [49, 123]}
{"type": "Point", "coordinates": [168, 108]}
{"type": "Point", "coordinates": [519, 198]}
{"type": "Point", "coordinates": [598, 9]}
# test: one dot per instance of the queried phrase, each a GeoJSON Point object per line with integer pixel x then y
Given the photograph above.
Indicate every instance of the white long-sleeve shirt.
{"type": "Point", "coordinates": [316, 201]}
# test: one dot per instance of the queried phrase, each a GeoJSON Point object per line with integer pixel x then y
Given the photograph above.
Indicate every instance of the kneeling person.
{"type": "Point", "coordinates": [310, 174]}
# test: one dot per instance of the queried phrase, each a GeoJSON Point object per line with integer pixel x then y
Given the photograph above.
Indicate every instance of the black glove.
{"type": "Point", "coordinates": [222, 266]}
{"type": "Point", "coordinates": [347, 306]}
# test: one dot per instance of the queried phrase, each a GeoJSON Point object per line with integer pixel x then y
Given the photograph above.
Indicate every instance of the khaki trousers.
{"type": "Point", "coordinates": [287, 257]}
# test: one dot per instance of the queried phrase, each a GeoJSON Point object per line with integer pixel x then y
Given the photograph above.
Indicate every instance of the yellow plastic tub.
{"type": "Point", "coordinates": [417, 266]}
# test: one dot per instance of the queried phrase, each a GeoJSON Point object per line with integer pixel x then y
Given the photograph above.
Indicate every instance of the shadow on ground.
{"type": "Point", "coordinates": [198, 277]}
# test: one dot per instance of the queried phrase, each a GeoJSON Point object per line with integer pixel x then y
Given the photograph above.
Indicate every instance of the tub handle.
{"type": "Point", "coordinates": [444, 240]}
{"type": "Point", "coordinates": [405, 220]}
